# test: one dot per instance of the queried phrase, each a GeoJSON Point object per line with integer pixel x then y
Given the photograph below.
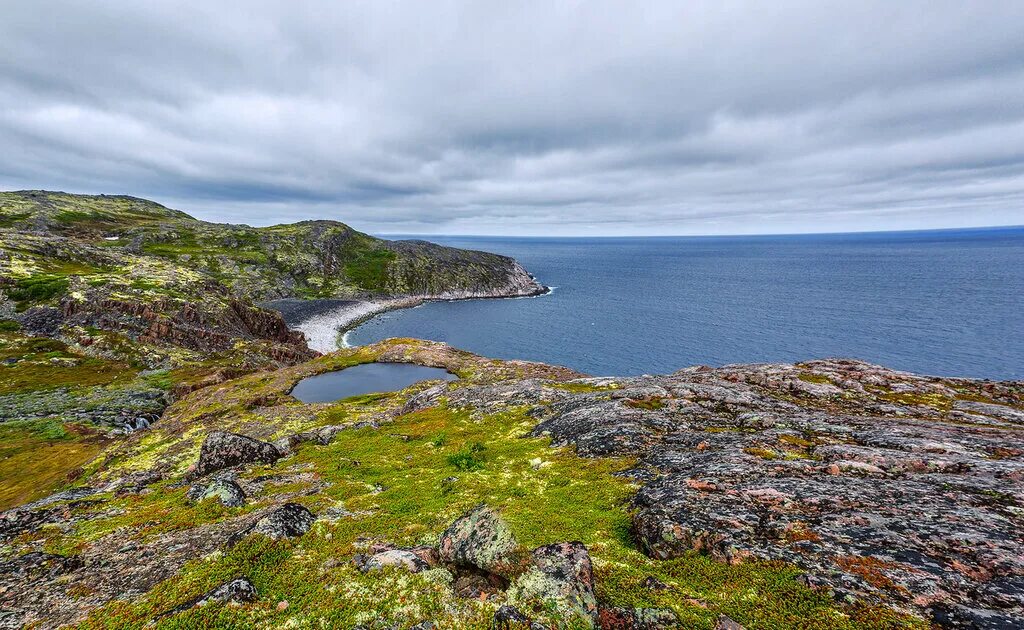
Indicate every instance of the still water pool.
{"type": "Point", "coordinates": [365, 379]}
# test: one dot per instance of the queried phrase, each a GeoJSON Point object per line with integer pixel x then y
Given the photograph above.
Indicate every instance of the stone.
{"type": "Point", "coordinates": [479, 539]}
{"type": "Point", "coordinates": [236, 591]}
{"type": "Point", "coordinates": [400, 558]}
{"type": "Point", "coordinates": [225, 490]}
{"type": "Point", "coordinates": [473, 585]}
{"type": "Point", "coordinates": [725, 623]}
{"type": "Point", "coordinates": [509, 617]}
{"type": "Point", "coordinates": [222, 450]}
{"type": "Point", "coordinates": [288, 521]}
{"type": "Point", "coordinates": [561, 576]}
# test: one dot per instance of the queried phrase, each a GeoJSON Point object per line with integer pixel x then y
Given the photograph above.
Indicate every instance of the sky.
{"type": "Point", "coordinates": [525, 118]}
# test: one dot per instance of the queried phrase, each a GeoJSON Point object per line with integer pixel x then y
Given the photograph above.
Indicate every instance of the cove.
{"type": "Point", "coordinates": [366, 378]}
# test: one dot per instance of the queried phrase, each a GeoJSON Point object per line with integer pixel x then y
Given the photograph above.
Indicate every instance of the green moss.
{"type": "Point", "coordinates": [469, 458]}
{"type": "Point", "coordinates": [809, 377]}
{"type": "Point", "coordinates": [40, 456]}
{"type": "Point", "coordinates": [763, 453]}
{"type": "Point", "coordinates": [41, 364]}
{"type": "Point", "coordinates": [935, 401]}
{"type": "Point", "coordinates": [9, 325]}
{"type": "Point", "coordinates": [650, 404]}
{"type": "Point", "coordinates": [38, 288]}
{"type": "Point", "coordinates": [368, 268]}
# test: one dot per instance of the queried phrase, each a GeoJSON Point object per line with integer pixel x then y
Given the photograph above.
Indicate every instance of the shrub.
{"type": "Point", "coordinates": [469, 458]}
{"type": "Point", "coordinates": [38, 288]}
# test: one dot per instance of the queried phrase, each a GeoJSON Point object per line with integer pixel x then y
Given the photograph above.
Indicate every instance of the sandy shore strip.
{"type": "Point", "coordinates": [324, 321]}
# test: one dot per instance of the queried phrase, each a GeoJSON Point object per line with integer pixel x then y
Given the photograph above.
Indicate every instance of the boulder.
{"type": "Point", "coordinates": [401, 558]}
{"type": "Point", "coordinates": [225, 490]}
{"type": "Point", "coordinates": [509, 617]}
{"type": "Point", "coordinates": [479, 539]}
{"type": "Point", "coordinates": [288, 521]}
{"type": "Point", "coordinates": [725, 623]}
{"type": "Point", "coordinates": [222, 450]}
{"type": "Point", "coordinates": [236, 591]}
{"type": "Point", "coordinates": [561, 576]}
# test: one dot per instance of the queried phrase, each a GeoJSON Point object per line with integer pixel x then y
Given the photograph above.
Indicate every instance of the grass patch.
{"type": "Point", "coordinates": [38, 288]}
{"type": "Point", "coordinates": [38, 457]}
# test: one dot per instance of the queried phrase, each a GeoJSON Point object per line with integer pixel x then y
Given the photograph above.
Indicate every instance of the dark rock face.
{"type": "Point", "coordinates": [222, 450]}
{"type": "Point", "coordinates": [479, 539]}
{"type": "Point", "coordinates": [725, 623]}
{"type": "Point", "coordinates": [883, 485]}
{"type": "Point", "coordinates": [38, 563]}
{"type": "Point", "coordinates": [508, 617]}
{"type": "Point", "coordinates": [561, 574]}
{"type": "Point", "coordinates": [288, 521]}
{"type": "Point", "coordinates": [41, 320]}
{"type": "Point", "coordinates": [238, 591]}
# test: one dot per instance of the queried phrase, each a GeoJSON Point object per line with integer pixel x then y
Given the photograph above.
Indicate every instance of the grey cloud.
{"type": "Point", "coordinates": [535, 117]}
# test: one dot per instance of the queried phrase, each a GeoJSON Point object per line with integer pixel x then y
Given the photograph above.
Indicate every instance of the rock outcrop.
{"type": "Point", "coordinates": [222, 450]}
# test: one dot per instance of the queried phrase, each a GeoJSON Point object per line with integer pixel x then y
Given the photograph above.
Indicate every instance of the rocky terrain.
{"type": "Point", "coordinates": [111, 307]}
{"type": "Point", "coordinates": [156, 472]}
{"type": "Point", "coordinates": [828, 494]}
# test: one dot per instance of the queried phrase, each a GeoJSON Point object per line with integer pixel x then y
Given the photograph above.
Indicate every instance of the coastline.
{"type": "Point", "coordinates": [326, 322]}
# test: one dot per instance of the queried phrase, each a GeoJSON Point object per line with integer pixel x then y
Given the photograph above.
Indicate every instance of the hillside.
{"type": "Point", "coordinates": [310, 259]}
{"type": "Point", "coordinates": [831, 494]}
{"type": "Point", "coordinates": [111, 307]}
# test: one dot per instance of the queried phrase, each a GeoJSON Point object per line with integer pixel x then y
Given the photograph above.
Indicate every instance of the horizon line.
{"type": "Point", "coordinates": [1019, 226]}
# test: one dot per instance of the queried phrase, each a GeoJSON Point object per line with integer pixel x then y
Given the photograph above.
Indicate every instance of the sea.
{"type": "Point", "coordinates": [942, 302]}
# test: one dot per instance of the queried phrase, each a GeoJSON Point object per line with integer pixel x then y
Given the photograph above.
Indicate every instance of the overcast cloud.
{"type": "Point", "coordinates": [525, 117]}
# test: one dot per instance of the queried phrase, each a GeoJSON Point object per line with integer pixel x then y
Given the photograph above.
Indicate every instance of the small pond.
{"type": "Point", "coordinates": [366, 378]}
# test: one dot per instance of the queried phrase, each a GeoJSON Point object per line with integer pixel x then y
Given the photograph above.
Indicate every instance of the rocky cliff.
{"type": "Point", "coordinates": [827, 494]}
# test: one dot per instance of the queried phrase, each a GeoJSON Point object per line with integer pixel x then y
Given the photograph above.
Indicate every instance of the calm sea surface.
{"type": "Point", "coordinates": [941, 302]}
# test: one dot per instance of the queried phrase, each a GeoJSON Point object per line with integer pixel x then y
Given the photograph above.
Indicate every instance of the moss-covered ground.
{"type": "Point", "coordinates": [403, 484]}
{"type": "Point", "coordinates": [40, 456]}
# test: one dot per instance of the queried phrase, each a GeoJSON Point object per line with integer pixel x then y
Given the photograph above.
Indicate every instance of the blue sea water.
{"type": "Point", "coordinates": [945, 302]}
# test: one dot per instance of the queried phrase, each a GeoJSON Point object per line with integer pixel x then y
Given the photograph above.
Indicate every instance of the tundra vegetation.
{"type": "Point", "coordinates": [156, 470]}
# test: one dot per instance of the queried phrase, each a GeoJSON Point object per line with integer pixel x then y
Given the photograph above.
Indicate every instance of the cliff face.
{"type": "Point", "coordinates": [829, 494]}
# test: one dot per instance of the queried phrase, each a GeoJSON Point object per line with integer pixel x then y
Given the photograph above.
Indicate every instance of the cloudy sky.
{"type": "Point", "coordinates": [525, 117]}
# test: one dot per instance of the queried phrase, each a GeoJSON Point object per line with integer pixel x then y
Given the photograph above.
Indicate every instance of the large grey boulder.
{"type": "Point", "coordinates": [479, 539]}
{"type": "Point", "coordinates": [288, 521]}
{"type": "Point", "coordinates": [222, 450]}
{"type": "Point", "coordinates": [562, 578]}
